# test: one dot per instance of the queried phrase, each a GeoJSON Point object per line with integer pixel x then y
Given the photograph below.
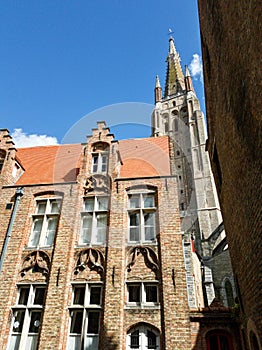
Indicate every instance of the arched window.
{"type": "Point", "coordinates": [219, 340]}
{"type": "Point", "coordinates": [143, 337]}
{"type": "Point", "coordinates": [229, 293]}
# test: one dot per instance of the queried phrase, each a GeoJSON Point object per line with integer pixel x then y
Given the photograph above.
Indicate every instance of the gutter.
{"type": "Point", "coordinates": [18, 195]}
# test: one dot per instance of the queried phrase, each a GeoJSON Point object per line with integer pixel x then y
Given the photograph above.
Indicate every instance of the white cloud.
{"type": "Point", "coordinates": [196, 67]}
{"type": "Point", "coordinates": [22, 139]}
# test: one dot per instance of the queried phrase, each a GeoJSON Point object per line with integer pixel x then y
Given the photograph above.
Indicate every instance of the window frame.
{"type": "Point", "coordinates": [93, 214]}
{"type": "Point", "coordinates": [28, 309]}
{"type": "Point", "coordinates": [143, 295]}
{"type": "Point", "coordinates": [141, 212]}
{"type": "Point", "coordinates": [86, 309]}
{"type": "Point", "coordinates": [101, 166]}
{"type": "Point", "coordinates": [41, 239]}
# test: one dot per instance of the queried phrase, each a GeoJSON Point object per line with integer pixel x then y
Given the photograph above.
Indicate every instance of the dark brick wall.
{"type": "Point", "coordinates": [231, 45]}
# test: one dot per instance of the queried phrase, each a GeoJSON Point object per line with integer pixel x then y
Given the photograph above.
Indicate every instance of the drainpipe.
{"type": "Point", "coordinates": [18, 195]}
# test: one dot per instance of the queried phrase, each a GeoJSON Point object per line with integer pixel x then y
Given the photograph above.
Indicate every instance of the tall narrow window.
{"type": "Point", "coordinates": [45, 222]}
{"type": "Point", "coordinates": [85, 317]}
{"type": "Point", "coordinates": [94, 220]}
{"type": "Point", "coordinates": [141, 217]}
{"type": "Point", "coordinates": [27, 317]}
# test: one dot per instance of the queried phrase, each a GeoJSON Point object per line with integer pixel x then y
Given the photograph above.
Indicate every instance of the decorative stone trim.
{"type": "Point", "coordinates": [149, 255]}
{"type": "Point", "coordinates": [91, 258]}
{"type": "Point", "coordinates": [38, 261]}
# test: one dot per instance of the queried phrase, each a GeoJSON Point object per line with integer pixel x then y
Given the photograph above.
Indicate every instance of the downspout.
{"type": "Point", "coordinates": [18, 195]}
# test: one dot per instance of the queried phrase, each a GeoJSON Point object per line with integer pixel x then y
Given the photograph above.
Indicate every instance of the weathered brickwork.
{"type": "Point", "coordinates": [230, 33]}
{"type": "Point", "coordinates": [112, 265]}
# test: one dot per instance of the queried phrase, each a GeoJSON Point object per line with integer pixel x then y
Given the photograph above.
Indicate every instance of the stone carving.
{"type": "Point", "coordinates": [149, 255]}
{"type": "Point", "coordinates": [38, 261]}
{"type": "Point", "coordinates": [91, 258]}
{"type": "Point", "coordinates": [97, 182]}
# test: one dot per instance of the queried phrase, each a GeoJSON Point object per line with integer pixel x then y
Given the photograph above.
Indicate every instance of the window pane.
{"type": "Point", "coordinates": [134, 201]}
{"type": "Point", "coordinates": [134, 219]}
{"type": "Point", "coordinates": [151, 339]}
{"type": "Point", "coordinates": [23, 295]}
{"type": "Point", "coordinates": [51, 230]}
{"type": "Point", "coordinates": [104, 163]}
{"type": "Point", "coordinates": [134, 234]}
{"type": "Point", "coordinates": [151, 293]}
{"type": "Point", "coordinates": [35, 321]}
{"type": "Point", "coordinates": [79, 295]}
{"type": "Point", "coordinates": [93, 322]}
{"type": "Point", "coordinates": [55, 206]}
{"type": "Point", "coordinates": [89, 204]}
{"type": "Point", "coordinates": [41, 207]}
{"type": "Point", "coordinates": [95, 163]}
{"type": "Point", "coordinates": [134, 293]}
{"type": "Point", "coordinates": [39, 296]}
{"type": "Point", "coordinates": [102, 203]}
{"type": "Point", "coordinates": [76, 322]}
{"type": "Point", "coordinates": [86, 229]}
{"type": "Point", "coordinates": [134, 340]}
{"type": "Point", "coordinates": [149, 222]}
{"type": "Point", "coordinates": [149, 201]}
{"type": "Point", "coordinates": [101, 228]}
{"type": "Point", "coordinates": [37, 227]}
{"type": "Point", "coordinates": [95, 295]}
{"type": "Point", "coordinates": [19, 321]}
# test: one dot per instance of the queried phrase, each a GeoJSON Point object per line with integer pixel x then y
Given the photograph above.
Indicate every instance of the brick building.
{"type": "Point", "coordinates": [231, 46]}
{"type": "Point", "coordinates": [116, 244]}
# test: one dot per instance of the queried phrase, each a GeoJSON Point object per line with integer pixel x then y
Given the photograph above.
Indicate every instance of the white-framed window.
{"type": "Point", "coordinates": [85, 316]}
{"type": "Point", "coordinates": [143, 337]}
{"type": "Point", "coordinates": [94, 220]}
{"type": "Point", "coordinates": [27, 316]}
{"type": "Point", "coordinates": [99, 162]}
{"type": "Point", "coordinates": [141, 212]}
{"type": "Point", "coordinates": [45, 222]}
{"type": "Point", "coordinates": [142, 293]}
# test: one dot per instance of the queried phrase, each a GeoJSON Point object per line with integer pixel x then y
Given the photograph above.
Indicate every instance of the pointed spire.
{"type": "Point", "coordinates": [174, 75]}
{"type": "Point", "coordinates": [157, 82]}
{"type": "Point", "coordinates": [158, 90]}
{"type": "Point", "coordinates": [188, 80]}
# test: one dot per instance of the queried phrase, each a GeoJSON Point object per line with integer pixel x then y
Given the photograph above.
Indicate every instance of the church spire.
{"type": "Point", "coordinates": [174, 75]}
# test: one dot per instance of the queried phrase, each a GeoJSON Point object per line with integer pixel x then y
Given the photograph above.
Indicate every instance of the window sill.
{"type": "Point", "coordinates": [147, 306]}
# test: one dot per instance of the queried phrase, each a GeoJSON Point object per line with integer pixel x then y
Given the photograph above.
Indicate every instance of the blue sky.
{"type": "Point", "coordinates": [64, 59]}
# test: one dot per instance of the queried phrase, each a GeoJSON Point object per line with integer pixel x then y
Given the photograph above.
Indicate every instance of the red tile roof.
{"type": "Point", "coordinates": [51, 164]}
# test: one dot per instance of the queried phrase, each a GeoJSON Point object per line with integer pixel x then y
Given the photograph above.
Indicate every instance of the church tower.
{"type": "Point", "coordinates": [177, 114]}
